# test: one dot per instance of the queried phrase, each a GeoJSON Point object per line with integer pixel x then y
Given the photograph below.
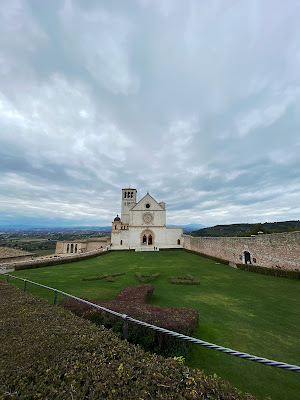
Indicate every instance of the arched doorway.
{"type": "Point", "coordinates": [178, 241]}
{"type": "Point", "coordinates": [247, 257]}
{"type": "Point", "coordinates": [147, 237]}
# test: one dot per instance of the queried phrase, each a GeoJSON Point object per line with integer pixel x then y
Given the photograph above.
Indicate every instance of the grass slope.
{"type": "Point", "coordinates": [49, 353]}
{"type": "Point", "coordinates": [248, 312]}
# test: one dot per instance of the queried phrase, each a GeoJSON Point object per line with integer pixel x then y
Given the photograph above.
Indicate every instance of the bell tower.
{"type": "Point", "coordinates": [128, 201]}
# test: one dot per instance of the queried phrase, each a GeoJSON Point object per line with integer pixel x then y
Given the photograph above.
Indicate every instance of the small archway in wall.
{"type": "Point", "coordinates": [121, 242]}
{"type": "Point", "coordinates": [76, 248]}
{"type": "Point", "coordinates": [68, 248]}
{"type": "Point", "coordinates": [72, 247]}
{"type": "Point", "coordinates": [247, 257]}
{"type": "Point", "coordinates": [178, 241]}
{"type": "Point", "coordinates": [147, 237]}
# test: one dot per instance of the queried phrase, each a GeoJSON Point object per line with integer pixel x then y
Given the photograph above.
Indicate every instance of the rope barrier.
{"type": "Point", "coordinates": [126, 318]}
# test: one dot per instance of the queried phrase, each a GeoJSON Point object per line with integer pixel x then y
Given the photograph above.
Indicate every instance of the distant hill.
{"type": "Point", "coordinates": [188, 228]}
{"type": "Point", "coordinates": [248, 229]}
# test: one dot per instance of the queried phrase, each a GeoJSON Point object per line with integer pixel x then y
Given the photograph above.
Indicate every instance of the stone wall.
{"type": "Point", "coordinates": [15, 259]}
{"type": "Point", "coordinates": [274, 250]}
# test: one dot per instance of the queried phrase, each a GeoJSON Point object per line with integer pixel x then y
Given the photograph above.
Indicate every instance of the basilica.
{"type": "Point", "coordinates": [142, 225]}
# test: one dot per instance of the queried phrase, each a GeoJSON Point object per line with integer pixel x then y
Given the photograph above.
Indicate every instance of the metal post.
{"type": "Point", "coordinates": [125, 326]}
{"type": "Point", "coordinates": [55, 297]}
{"type": "Point", "coordinates": [25, 284]}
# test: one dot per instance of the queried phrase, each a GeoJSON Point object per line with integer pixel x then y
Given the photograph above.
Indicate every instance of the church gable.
{"type": "Point", "coordinates": [147, 203]}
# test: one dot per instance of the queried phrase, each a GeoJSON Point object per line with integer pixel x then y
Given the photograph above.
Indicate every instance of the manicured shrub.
{"type": "Point", "coordinates": [56, 261]}
{"type": "Point", "coordinates": [132, 302]}
{"type": "Point", "coordinates": [270, 271]}
{"type": "Point", "coordinates": [109, 277]}
{"type": "Point", "coordinates": [184, 280]}
{"type": "Point", "coordinates": [48, 353]}
{"type": "Point", "coordinates": [144, 278]}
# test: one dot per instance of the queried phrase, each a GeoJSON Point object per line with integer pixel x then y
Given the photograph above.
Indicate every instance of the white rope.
{"type": "Point", "coordinates": [212, 346]}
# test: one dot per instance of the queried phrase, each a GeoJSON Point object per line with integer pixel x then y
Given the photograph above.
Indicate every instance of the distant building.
{"type": "Point", "coordinates": [142, 225]}
{"type": "Point", "coordinates": [81, 246]}
{"type": "Point", "coordinates": [10, 255]}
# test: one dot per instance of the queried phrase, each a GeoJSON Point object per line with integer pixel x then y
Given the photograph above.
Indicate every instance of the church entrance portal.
{"type": "Point", "coordinates": [147, 237]}
{"type": "Point", "coordinates": [247, 257]}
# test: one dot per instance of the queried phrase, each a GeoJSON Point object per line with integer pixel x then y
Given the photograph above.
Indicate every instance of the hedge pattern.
{"type": "Point", "coordinates": [184, 280]}
{"type": "Point", "coordinates": [145, 278]}
{"type": "Point", "coordinates": [132, 301]}
{"type": "Point", "coordinates": [109, 277]}
{"type": "Point", "coordinates": [49, 353]}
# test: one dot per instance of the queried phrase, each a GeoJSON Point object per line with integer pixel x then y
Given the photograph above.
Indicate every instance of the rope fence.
{"type": "Point", "coordinates": [126, 319]}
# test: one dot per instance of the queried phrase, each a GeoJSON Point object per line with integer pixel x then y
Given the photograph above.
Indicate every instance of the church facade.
{"type": "Point", "coordinates": [142, 225]}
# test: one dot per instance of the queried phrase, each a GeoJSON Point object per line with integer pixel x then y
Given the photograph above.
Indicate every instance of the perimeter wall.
{"type": "Point", "coordinates": [272, 251]}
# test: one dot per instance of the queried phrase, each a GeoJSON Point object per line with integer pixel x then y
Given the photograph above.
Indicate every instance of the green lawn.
{"type": "Point", "coordinates": [245, 311]}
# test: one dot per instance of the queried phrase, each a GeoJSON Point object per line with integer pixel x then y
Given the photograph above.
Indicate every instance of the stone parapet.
{"type": "Point", "coordinates": [276, 250]}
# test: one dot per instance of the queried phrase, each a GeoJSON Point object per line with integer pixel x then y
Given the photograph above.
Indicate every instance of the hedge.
{"type": "Point", "coordinates": [283, 273]}
{"type": "Point", "coordinates": [57, 261]}
{"type": "Point", "coordinates": [254, 268]}
{"type": "Point", "coordinates": [49, 353]}
{"type": "Point", "coordinates": [132, 301]}
{"type": "Point", "coordinates": [145, 278]}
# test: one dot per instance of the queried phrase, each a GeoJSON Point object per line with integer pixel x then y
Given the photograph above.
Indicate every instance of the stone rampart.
{"type": "Point", "coordinates": [36, 263]}
{"type": "Point", "coordinates": [271, 251]}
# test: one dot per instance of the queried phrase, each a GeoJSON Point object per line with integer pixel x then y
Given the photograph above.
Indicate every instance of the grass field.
{"type": "Point", "coordinates": [245, 311]}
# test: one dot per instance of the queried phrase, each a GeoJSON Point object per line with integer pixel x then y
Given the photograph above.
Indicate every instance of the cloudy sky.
{"type": "Point", "coordinates": [196, 101]}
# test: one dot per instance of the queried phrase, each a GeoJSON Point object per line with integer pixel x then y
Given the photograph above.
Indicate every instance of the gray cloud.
{"type": "Point", "coordinates": [197, 103]}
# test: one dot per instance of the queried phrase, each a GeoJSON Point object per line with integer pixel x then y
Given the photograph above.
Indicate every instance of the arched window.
{"type": "Point", "coordinates": [121, 242]}
{"type": "Point", "coordinates": [178, 241]}
{"type": "Point", "coordinates": [125, 195]}
{"type": "Point", "coordinates": [72, 247]}
{"type": "Point", "coordinates": [144, 239]}
{"type": "Point", "coordinates": [150, 239]}
{"type": "Point", "coordinates": [128, 194]}
{"type": "Point", "coordinates": [76, 248]}
{"type": "Point", "coordinates": [132, 195]}
{"type": "Point", "coordinates": [68, 248]}
{"type": "Point", "coordinates": [116, 227]}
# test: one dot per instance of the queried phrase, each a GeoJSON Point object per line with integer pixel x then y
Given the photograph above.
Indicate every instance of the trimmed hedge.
{"type": "Point", "coordinates": [109, 277]}
{"type": "Point", "coordinates": [270, 271]}
{"type": "Point", "coordinates": [57, 261]}
{"type": "Point", "coordinates": [132, 301]}
{"type": "Point", "coordinates": [254, 268]}
{"type": "Point", "coordinates": [48, 353]}
{"type": "Point", "coordinates": [184, 280]}
{"type": "Point", "coordinates": [145, 278]}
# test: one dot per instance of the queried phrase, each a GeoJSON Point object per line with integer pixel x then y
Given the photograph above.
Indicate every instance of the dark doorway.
{"type": "Point", "coordinates": [178, 241]}
{"type": "Point", "coordinates": [144, 239]}
{"type": "Point", "coordinates": [247, 257]}
{"type": "Point", "coordinates": [121, 242]}
{"type": "Point", "coordinates": [150, 239]}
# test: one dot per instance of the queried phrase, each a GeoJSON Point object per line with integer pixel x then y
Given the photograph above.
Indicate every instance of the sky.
{"type": "Point", "coordinates": [197, 102]}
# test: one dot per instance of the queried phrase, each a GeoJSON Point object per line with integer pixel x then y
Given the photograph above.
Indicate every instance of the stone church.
{"type": "Point", "coordinates": [142, 225]}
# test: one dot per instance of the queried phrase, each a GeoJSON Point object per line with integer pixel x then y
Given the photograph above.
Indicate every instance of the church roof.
{"type": "Point", "coordinates": [8, 252]}
{"type": "Point", "coordinates": [136, 207]}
